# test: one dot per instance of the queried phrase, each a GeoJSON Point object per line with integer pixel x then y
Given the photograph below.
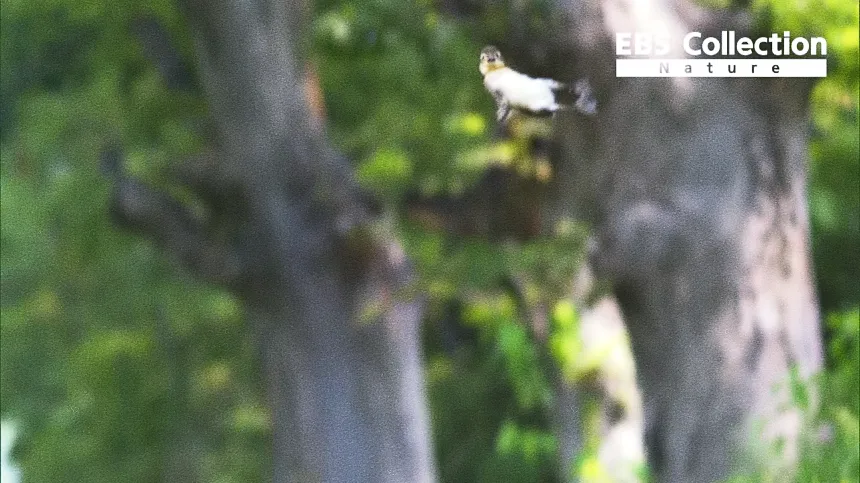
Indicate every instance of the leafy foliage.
{"type": "Point", "coordinates": [831, 450]}
{"type": "Point", "coordinates": [113, 366]}
{"type": "Point", "coordinates": [829, 447]}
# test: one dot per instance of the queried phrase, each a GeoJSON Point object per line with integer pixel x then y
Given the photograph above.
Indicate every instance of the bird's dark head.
{"type": "Point", "coordinates": [491, 59]}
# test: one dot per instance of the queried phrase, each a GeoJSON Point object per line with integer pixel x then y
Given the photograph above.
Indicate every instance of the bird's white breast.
{"type": "Point", "coordinates": [520, 90]}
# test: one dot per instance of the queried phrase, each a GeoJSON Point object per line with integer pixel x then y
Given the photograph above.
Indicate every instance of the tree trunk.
{"type": "Point", "coordinates": [696, 191]}
{"type": "Point", "coordinates": [607, 401]}
{"type": "Point", "coordinates": [288, 230]}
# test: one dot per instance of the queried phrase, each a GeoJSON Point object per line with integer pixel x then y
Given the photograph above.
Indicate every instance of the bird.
{"type": "Point", "coordinates": [515, 91]}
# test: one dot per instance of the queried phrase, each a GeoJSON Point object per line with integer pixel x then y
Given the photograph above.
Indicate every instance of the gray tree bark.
{"type": "Point", "coordinates": [696, 192]}
{"type": "Point", "coordinates": [287, 229]}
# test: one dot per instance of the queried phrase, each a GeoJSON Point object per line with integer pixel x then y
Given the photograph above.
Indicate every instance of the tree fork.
{"type": "Point", "coordinates": [696, 192]}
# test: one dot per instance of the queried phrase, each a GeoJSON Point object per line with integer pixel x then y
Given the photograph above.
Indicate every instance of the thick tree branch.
{"type": "Point", "coordinates": [161, 52]}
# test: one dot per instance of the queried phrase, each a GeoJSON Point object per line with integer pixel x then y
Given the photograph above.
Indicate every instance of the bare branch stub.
{"type": "Point", "coordinates": [185, 237]}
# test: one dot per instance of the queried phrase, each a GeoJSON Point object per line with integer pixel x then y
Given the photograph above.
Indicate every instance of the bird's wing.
{"type": "Point", "coordinates": [586, 102]}
{"type": "Point", "coordinates": [552, 84]}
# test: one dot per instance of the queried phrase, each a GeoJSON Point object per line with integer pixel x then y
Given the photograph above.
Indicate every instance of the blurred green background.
{"type": "Point", "coordinates": [116, 366]}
